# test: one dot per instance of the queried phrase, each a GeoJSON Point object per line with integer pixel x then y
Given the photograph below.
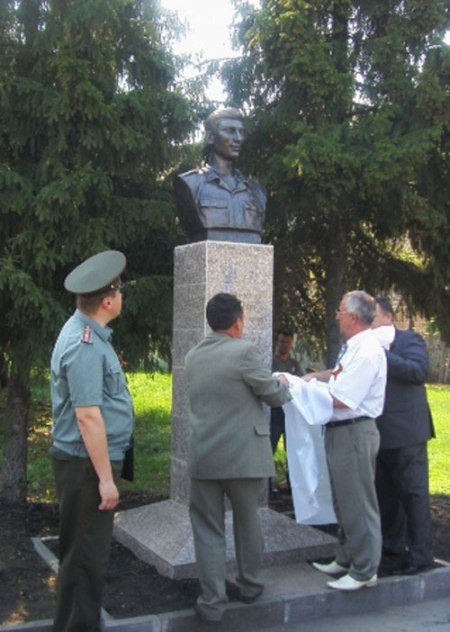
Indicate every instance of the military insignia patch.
{"type": "Point", "coordinates": [86, 336]}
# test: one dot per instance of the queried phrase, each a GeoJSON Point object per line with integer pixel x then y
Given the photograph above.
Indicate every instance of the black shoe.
{"type": "Point", "coordinates": [248, 600]}
{"type": "Point", "coordinates": [410, 569]}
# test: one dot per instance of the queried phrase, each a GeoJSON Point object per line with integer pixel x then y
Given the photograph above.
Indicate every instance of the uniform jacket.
{"type": "Point", "coordinates": [229, 432]}
{"type": "Point", "coordinates": [406, 418]}
{"type": "Point", "coordinates": [205, 201]}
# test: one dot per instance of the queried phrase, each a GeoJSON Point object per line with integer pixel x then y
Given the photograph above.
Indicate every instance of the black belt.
{"type": "Point", "coordinates": [347, 422]}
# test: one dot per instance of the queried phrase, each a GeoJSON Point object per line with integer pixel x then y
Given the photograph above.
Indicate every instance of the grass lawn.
{"type": "Point", "coordinates": [152, 394]}
{"type": "Point", "coordinates": [439, 448]}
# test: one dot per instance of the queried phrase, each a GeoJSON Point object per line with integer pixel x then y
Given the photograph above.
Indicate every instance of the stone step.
{"type": "Point", "coordinates": [160, 534]}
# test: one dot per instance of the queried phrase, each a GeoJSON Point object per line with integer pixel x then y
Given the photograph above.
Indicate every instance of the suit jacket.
{"type": "Point", "coordinates": [406, 418]}
{"type": "Point", "coordinates": [229, 431]}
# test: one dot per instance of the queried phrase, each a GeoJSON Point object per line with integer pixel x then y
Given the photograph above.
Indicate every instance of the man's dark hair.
{"type": "Point", "coordinates": [287, 333]}
{"type": "Point", "coordinates": [223, 310]}
{"type": "Point", "coordinates": [385, 304]}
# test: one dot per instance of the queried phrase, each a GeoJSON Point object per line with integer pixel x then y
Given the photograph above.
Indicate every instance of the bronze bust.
{"type": "Point", "coordinates": [217, 202]}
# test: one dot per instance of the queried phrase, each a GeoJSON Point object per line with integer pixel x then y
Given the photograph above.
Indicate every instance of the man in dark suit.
{"type": "Point", "coordinates": [229, 451]}
{"type": "Point", "coordinates": [282, 362]}
{"type": "Point", "coordinates": [402, 462]}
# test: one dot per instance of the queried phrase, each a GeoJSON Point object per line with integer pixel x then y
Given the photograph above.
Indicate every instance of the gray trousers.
{"type": "Point", "coordinates": [207, 513]}
{"type": "Point", "coordinates": [351, 452]}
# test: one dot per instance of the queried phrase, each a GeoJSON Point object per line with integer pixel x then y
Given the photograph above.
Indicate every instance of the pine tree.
{"type": "Point", "coordinates": [345, 129]}
{"type": "Point", "coordinates": [90, 120]}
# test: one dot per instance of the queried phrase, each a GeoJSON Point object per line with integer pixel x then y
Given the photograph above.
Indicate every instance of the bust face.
{"type": "Point", "coordinates": [227, 138]}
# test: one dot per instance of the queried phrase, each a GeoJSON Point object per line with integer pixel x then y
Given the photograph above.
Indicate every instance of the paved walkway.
{"type": "Point", "coordinates": [429, 616]}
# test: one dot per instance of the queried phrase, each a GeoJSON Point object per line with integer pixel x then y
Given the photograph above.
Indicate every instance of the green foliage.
{"type": "Point", "coordinates": [349, 108]}
{"type": "Point", "coordinates": [91, 119]}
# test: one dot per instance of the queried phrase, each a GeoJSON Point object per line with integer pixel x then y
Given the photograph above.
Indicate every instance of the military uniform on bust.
{"type": "Point", "coordinates": [217, 202]}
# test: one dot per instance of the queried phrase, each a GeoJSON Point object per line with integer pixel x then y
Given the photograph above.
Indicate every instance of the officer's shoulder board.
{"type": "Point", "coordinates": [86, 336]}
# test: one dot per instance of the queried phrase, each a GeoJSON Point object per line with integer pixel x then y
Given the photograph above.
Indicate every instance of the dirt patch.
{"type": "Point", "coordinates": [133, 588]}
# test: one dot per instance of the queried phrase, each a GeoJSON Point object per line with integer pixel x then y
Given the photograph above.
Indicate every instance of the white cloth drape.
{"type": "Point", "coordinates": [311, 407]}
{"type": "Point", "coordinates": [385, 335]}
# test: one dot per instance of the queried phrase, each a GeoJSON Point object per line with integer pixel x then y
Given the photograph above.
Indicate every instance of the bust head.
{"type": "Point", "coordinates": [216, 201]}
{"type": "Point", "coordinates": [224, 133]}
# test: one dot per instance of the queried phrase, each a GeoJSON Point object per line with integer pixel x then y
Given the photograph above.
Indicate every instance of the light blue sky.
{"type": "Point", "coordinates": [209, 36]}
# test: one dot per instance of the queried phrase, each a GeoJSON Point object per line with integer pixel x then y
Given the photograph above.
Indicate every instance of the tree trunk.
{"type": "Point", "coordinates": [335, 288]}
{"type": "Point", "coordinates": [16, 417]}
{"type": "Point", "coordinates": [3, 371]}
{"type": "Point", "coordinates": [336, 253]}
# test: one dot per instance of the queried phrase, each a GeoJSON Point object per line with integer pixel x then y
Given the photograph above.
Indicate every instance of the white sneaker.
{"type": "Point", "coordinates": [348, 583]}
{"type": "Point", "coordinates": [333, 568]}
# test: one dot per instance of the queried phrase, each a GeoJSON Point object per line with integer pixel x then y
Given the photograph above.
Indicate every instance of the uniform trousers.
{"type": "Point", "coordinates": [85, 535]}
{"type": "Point", "coordinates": [207, 513]}
{"type": "Point", "coordinates": [403, 496]}
{"type": "Point", "coordinates": [351, 456]}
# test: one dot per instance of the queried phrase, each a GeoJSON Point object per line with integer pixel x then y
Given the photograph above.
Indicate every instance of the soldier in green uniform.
{"type": "Point", "coordinates": [92, 429]}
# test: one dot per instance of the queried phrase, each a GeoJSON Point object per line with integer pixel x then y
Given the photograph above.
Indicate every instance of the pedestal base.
{"type": "Point", "coordinates": [161, 535]}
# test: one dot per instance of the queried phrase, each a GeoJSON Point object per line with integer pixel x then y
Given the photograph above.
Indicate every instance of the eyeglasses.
{"type": "Point", "coordinates": [117, 286]}
{"type": "Point", "coordinates": [340, 312]}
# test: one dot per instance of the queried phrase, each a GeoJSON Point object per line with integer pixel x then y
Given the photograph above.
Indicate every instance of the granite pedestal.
{"type": "Point", "coordinates": [160, 534]}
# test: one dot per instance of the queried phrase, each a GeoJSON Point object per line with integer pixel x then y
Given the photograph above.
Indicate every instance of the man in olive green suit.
{"type": "Point", "coordinates": [229, 451]}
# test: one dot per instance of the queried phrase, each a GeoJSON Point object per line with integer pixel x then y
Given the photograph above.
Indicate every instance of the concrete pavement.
{"type": "Point", "coordinates": [429, 616]}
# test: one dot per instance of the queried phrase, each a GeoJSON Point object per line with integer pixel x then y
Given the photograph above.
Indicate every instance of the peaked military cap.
{"type": "Point", "coordinates": [96, 273]}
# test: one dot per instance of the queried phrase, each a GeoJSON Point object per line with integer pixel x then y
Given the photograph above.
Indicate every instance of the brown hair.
{"type": "Point", "coordinates": [90, 303]}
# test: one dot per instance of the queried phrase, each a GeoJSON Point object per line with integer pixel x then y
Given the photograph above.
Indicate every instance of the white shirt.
{"type": "Point", "coordinates": [359, 379]}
